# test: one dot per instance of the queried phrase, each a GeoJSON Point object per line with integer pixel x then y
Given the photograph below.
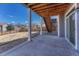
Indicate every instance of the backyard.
{"type": "Point", "coordinates": [10, 40]}
{"type": "Point", "coordinates": [13, 36]}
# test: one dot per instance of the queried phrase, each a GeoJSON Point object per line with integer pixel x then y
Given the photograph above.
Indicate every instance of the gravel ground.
{"type": "Point", "coordinates": [10, 40]}
{"type": "Point", "coordinates": [11, 37]}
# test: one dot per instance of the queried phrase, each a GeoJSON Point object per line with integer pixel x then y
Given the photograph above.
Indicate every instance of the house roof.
{"type": "Point", "coordinates": [2, 24]}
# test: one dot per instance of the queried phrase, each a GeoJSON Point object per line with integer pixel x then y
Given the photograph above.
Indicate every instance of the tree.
{"type": "Point", "coordinates": [22, 29]}
{"type": "Point", "coordinates": [10, 27]}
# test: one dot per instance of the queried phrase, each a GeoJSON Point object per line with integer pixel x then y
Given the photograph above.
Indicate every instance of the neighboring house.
{"type": "Point", "coordinates": [3, 27]}
{"type": "Point", "coordinates": [34, 27]}
{"type": "Point", "coordinates": [20, 27]}
{"type": "Point", "coordinates": [16, 28]}
{"type": "Point", "coordinates": [44, 27]}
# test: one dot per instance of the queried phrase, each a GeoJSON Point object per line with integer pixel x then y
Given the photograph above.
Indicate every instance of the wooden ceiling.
{"type": "Point", "coordinates": [49, 9]}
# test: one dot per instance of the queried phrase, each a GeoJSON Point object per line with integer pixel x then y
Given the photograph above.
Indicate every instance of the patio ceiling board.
{"type": "Point", "coordinates": [53, 12]}
{"type": "Point", "coordinates": [39, 6]}
{"type": "Point", "coordinates": [48, 6]}
{"type": "Point", "coordinates": [31, 4]}
{"type": "Point", "coordinates": [54, 8]}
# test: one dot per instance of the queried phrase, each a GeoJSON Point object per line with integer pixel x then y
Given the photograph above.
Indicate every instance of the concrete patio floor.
{"type": "Point", "coordinates": [45, 45]}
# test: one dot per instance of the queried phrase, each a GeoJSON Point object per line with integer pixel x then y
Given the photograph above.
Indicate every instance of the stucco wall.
{"type": "Point", "coordinates": [62, 26]}
{"type": "Point", "coordinates": [4, 28]}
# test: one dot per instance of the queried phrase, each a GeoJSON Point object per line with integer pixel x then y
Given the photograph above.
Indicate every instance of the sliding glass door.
{"type": "Point", "coordinates": [72, 28]}
{"type": "Point", "coordinates": [70, 23]}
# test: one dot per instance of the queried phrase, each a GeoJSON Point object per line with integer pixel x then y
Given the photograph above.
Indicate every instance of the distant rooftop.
{"type": "Point", "coordinates": [3, 24]}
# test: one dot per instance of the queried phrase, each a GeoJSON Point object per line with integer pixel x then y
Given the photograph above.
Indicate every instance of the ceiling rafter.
{"type": "Point", "coordinates": [32, 4]}
{"type": "Point", "coordinates": [47, 7]}
{"type": "Point", "coordinates": [57, 8]}
{"type": "Point", "coordinates": [51, 14]}
{"type": "Point", "coordinates": [39, 5]}
{"type": "Point", "coordinates": [55, 11]}
{"type": "Point", "coordinates": [29, 4]}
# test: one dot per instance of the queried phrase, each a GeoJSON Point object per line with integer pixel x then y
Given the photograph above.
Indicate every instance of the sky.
{"type": "Point", "coordinates": [16, 13]}
{"type": "Point", "coordinates": [53, 17]}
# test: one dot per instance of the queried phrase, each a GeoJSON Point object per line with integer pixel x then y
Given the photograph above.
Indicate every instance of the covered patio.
{"type": "Point", "coordinates": [46, 11]}
{"type": "Point", "coordinates": [47, 44]}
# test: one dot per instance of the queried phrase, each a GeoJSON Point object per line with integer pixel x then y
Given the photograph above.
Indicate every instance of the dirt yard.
{"type": "Point", "coordinates": [9, 41]}
{"type": "Point", "coordinates": [13, 36]}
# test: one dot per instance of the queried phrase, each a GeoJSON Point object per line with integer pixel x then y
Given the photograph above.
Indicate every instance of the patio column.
{"type": "Point", "coordinates": [77, 26]}
{"type": "Point", "coordinates": [29, 24]}
{"type": "Point", "coordinates": [40, 26]}
{"type": "Point", "coordinates": [58, 26]}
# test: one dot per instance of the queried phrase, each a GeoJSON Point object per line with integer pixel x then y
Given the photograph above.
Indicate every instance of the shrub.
{"type": "Point", "coordinates": [10, 27]}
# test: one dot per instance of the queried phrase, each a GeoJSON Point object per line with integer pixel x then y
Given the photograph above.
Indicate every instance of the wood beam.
{"type": "Point", "coordinates": [39, 6]}
{"type": "Point", "coordinates": [51, 13]}
{"type": "Point", "coordinates": [55, 11]}
{"type": "Point", "coordinates": [48, 6]}
{"type": "Point", "coordinates": [32, 4]}
{"type": "Point", "coordinates": [55, 8]}
{"type": "Point", "coordinates": [48, 24]}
